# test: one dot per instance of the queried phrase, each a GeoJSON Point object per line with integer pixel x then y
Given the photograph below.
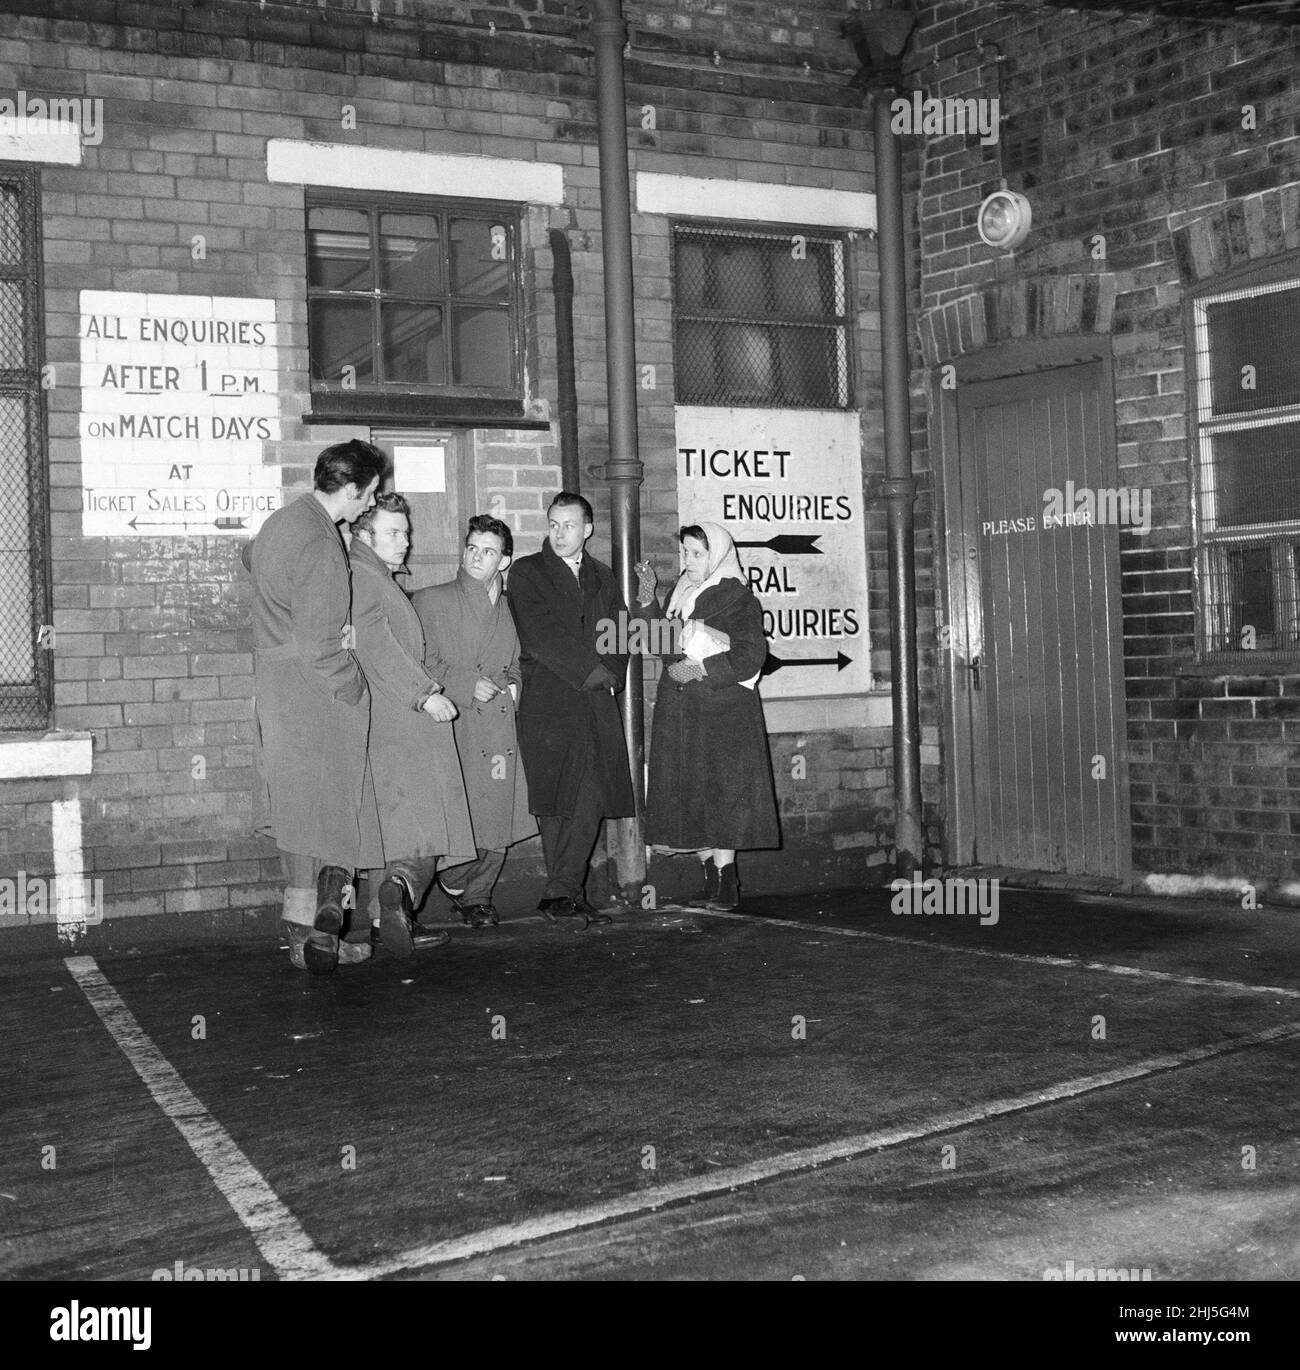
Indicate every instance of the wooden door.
{"type": "Point", "coordinates": [1042, 667]}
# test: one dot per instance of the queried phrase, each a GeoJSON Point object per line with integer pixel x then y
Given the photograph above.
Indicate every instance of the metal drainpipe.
{"type": "Point", "coordinates": [562, 289]}
{"type": "Point", "coordinates": [899, 489]}
{"type": "Point", "coordinates": [624, 470]}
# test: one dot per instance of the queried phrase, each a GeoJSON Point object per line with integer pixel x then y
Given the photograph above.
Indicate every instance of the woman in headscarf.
{"type": "Point", "coordinates": [710, 789]}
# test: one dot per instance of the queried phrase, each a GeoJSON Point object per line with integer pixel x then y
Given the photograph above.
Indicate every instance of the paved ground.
{"type": "Point", "coordinates": [815, 1088]}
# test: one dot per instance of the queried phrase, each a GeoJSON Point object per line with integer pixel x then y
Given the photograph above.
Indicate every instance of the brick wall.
{"type": "Point", "coordinates": [153, 640]}
{"type": "Point", "coordinates": [1130, 128]}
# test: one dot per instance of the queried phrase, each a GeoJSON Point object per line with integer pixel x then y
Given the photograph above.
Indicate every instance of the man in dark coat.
{"type": "Point", "coordinates": [422, 810]}
{"type": "Point", "coordinates": [570, 732]}
{"type": "Point", "coordinates": [472, 647]}
{"type": "Point", "coordinates": [312, 705]}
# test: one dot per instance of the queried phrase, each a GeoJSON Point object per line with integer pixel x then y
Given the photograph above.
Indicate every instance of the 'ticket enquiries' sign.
{"type": "Point", "coordinates": [787, 485]}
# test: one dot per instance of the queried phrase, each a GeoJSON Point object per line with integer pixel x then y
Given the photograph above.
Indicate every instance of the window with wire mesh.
{"type": "Point", "coordinates": [1248, 434]}
{"type": "Point", "coordinates": [760, 319]}
{"type": "Point", "coordinates": [413, 296]}
{"type": "Point", "coordinates": [26, 639]}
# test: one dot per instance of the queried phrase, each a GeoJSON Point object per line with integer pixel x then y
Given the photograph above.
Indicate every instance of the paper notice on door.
{"type": "Point", "coordinates": [420, 470]}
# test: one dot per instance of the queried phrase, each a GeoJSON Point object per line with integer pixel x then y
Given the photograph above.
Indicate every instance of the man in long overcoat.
{"type": "Point", "coordinates": [312, 706]}
{"type": "Point", "coordinates": [472, 647]}
{"type": "Point", "coordinates": [423, 814]}
{"type": "Point", "coordinates": [570, 732]}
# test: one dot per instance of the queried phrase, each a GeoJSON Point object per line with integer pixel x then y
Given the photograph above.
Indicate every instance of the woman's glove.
{"type": "Point", "coordinates": [646, 581]}
{"type": "Point", "coordinates": [682, 671]}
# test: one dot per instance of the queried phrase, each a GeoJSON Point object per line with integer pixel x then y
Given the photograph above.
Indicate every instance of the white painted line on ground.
{"type": "Point", "coordinates": [792, 1162]}
{"type": "Point", "coordinates": [278, 1234]}
{"type": "Point", "coordinates": [1024, 958]}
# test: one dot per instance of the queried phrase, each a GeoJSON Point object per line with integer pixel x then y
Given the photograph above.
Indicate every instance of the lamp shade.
{"type": "Point", "coordinates": [1005, 219]}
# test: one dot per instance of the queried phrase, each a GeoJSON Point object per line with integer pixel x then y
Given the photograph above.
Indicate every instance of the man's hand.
{"type": "Point", "coordinates": [646, 581]}
{"type": "Point", "coordinates": [440, 708]}
{"type": "Point", "coordinates": [684, 670]}
{"type": "Point", "coordinates": [602, 678]}
{"type": "Point", "coordinates": [484, 691]}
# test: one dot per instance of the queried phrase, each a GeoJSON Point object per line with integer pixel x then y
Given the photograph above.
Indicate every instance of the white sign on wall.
{"type": "Point", "coordinates": [179, 395]}
{"type": "Point", "coordinates": [787, 485]}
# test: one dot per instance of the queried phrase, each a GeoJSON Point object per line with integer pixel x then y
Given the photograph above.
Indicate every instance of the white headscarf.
{"type": "Point", "coordinates": [723, 565]}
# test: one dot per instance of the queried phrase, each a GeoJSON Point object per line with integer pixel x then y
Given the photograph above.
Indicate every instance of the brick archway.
{"type": "Point", "coordinates": [1036, 307]}
{"type": "Point", "coordinates": [1211, 243]}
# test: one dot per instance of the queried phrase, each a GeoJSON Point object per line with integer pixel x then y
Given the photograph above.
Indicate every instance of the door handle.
{"type": "Point", "coordinates": [973, 666]}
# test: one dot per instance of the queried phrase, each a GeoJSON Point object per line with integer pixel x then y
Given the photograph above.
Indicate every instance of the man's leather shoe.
{"type": "Point", "coordinates": [320, 952]}
{"type": "Point", "coordinates": [395, 915]}
{"type": "Point", "coordinates": [474, 915]}
{"type": "Point", "coordinates": [330, 884]}
{"type": "Point", "coordinates": [592, 914]}
{"type": "Point", "coordinates": [551, 909]}
{"type": "Point", "coordinates": [424, 938]}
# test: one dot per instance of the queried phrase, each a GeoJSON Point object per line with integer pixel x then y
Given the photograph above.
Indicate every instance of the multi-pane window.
{"type": "Point", "coordinates": [413, 297]}
{"type": "Point", "coordinates": [26, 639]}
{"type": "Point", "coordinates": [1248, 432]}
{"type": "Point", "coordinates": [760, 319]}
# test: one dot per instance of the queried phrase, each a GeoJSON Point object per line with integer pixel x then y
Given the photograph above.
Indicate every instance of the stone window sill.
{"type": "Point", "coordinates": [41, 756]}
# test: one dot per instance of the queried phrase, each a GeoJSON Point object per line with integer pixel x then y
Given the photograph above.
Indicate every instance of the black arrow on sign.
{"type": "Point", "coordinates": [774, 663]}
{"type": "Point", "coordinates": [166, 523]}
{"type": "Point", "coordinates": [790, 544]}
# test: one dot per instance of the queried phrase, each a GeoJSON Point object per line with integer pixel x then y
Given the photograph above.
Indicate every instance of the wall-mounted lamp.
{"type": "Point", "coordinates": [1005, 219]}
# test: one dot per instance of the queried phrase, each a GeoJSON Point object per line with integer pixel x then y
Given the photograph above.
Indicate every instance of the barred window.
{"type": "Point", "coordinates": [413, 303]}
{"type": "Point", "coordinates": [25, 637]}
{"type": "Point", "coordinates": [1248, 435]}
{"type": "Point", "coordinates": [760, 319]}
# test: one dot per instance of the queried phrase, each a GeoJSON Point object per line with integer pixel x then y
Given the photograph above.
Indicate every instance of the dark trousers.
{"type": "Point", "coordinates": [567, 843]}
{"type": "Point", "coordinates": [417, 871]}
{"type": "Point", "coordinates": [477, 878]}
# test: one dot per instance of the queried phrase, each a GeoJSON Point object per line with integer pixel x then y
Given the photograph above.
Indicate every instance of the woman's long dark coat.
{"type": "Point", "coordinates": [564, 730]}
{"type": "Point", "coordinates": [312, 705]}
{"type": "Point", "coordinates": [710, 768]}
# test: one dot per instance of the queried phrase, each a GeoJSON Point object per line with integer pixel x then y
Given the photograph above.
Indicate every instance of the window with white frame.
{"type": "Point", "coordinates": [413, 306]}
{"type": "Point", "coordinates": [1248, 437]}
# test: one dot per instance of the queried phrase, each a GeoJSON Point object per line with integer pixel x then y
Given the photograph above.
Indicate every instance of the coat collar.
{"type": "Point", "coordinates": [318, 511]}
{"type": "Point", "coordinates": [717, 599]}
{"type": "Point", "coordinates": [558, 569]}
{"type": "Point", "coordinates": [476, 592]}
{"type": "Point", "coordinates": [365, 557]}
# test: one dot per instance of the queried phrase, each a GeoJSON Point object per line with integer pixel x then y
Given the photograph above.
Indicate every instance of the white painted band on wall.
{"type": "Point", "coordinates": [753, 201]}
{"type": "Point", "coordinates": [350, 167]}
{"type": "Point", "coordinates": [69, 864]}
{"type": "Point", "coordinates": [827, 713]}
{"type": "Point", "coordinates": [38, 758]}
{"type": "Point", "coordinates": [40, 140]}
